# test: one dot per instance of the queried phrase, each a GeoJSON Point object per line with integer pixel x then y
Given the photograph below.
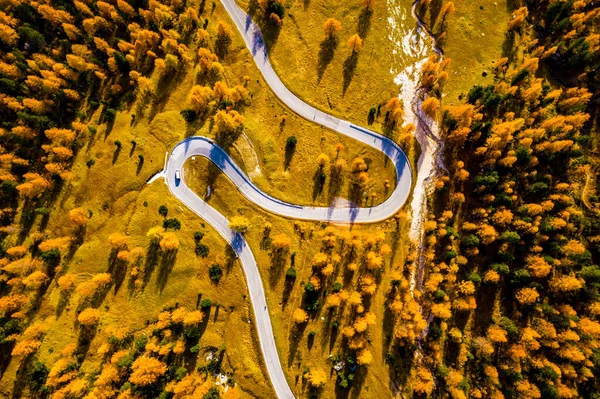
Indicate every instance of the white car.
{"type": "Point", "coordinates": [178, 174]}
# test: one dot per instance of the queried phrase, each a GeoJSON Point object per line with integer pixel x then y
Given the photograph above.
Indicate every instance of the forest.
{"type": "Point", "coordinates": [506, 302]}
{"type": "Point", "coordinates": [511, 292]}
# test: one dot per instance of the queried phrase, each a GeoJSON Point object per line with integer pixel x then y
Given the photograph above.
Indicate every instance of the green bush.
{"type": "Point", "coordinates": [290, 273]}
{"type": "Point", "coordinates": [172, 223]}
{"type": "Point", "coordinates": [202, 250]}
{"type": "Point", "coordinates": [215, 272]}
{"type": "Point", "coordinates": [205, 303]}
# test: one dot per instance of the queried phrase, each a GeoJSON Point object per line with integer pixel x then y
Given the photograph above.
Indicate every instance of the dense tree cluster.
{"type": "Point", "coordinates": [511, 292]}
{"type": "Point", "coordinates": [148, 363]}
{"type": "Point", "coordinates": [569, 36]}
{"type": "Point", "coordinates": [65, 69]}
{"type": "Point", "coordinates": [344, 277]}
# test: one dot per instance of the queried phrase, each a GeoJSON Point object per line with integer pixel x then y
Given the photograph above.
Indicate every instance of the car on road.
{"type": "Point", "coordinates": [177, 174]}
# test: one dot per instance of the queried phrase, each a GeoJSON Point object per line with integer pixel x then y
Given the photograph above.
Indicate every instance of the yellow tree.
{"type": "Point", "coordinates": [332, 27]}
{"type": "Point", "coordinates": [79, 216]}
{"type": "Point", "coordinates": [8, 35]}
{"type": "Point", "coordinates": [395, 111]}
{"type": "Point", "coordinates": [365, 357]}
{"type": "Point", "coordinates": [117, 240]}
{"type": "Point", "coordinates": [227, 122]}
{"type": "Point", "coordinates": [355, 43]}
{"type": "Point", "coordinates": [369, 4]}
{"type": "Point", "coordinates": [169, 242]}
{"type": "Point", "coordinates": [300, 316]}
{"type": "Point", "coordinates": [431, 106]}
{"type": "Point", "coordinates": [322, 160]}
{"type": "Point", "coordinates": [146, 370]}
{"type": "Point", "coordinates": [317, 378]}
{"type": "Point", "coordinates": [281, 242]}
{"type": "Point", "coordinates": [239, 224]}
{"type": "Point", "coordinates": [89, 317]}
{"type": "Point", "coordinates": [200, 97]}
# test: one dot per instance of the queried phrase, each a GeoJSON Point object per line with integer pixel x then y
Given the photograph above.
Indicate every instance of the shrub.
{"type": "Point", "coordinates": [205, 303]}
{"type": "Point", "coordinates": [475, 278]}
{"type": "Point", "coordinates": [50, 255]}
{"type": "Point", "coordinates": [470, 241]}
{"type": "Point", "coordinates": [500, 268]}
{"type": "Point", "coordinates": [198, 235]}
{"type": "Point", "coordinates": [172, 223]}
{"type": "Point", "coordinates": [290, 273]}
{"type": "Point", "coordinates": [189, 115]}
{"type": "Point", "coordinates": [163, 210]}
{"type": "Point", "coordinates": [511, 237]}
{"type": "Point", "coordinates": [215, 272]}
{"type": "Point", "coordinates": [111, 115]}
{"type": "Point", "coordinates": [202, 250]}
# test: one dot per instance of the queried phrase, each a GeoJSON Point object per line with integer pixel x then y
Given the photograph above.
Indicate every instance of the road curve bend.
{"type": "Point", "coordinates": [200, 146]}
{"type": "Point", "coordinates": [205, 147]}
{"type": "Point", "coordinates": [254, 41]}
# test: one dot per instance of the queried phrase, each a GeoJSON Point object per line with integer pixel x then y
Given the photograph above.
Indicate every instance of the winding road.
{"type": "Point", "coordinates": [201, 146]}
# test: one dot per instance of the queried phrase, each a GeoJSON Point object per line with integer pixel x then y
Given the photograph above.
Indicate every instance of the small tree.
{"type": "Point", "coordinates": [290, 273]}
{"type": "Point", "coordinates": [431, 106]}
{"type": "Point", "coordinates": [332, 27]}
{"type": "Point", "coordinates": [355, 43]}
{"type": "Point", "coordinates": [239, 224]}
{"type": "Point", "coordinates": [79, 216]}
{"type": "Point", "coordinates": [290, 143]}
{"type": "Point", "coordinates": [215, 272]}
{"type": "Point", "coordinates": [281, 242]}
{"type": "Point", "coordinates": [369, 4]}
{"type": "Point", "coordinates": [163, 210]}
{"type": "Point", "coordinates": [322, 160]}
{"type": "Point", "coordinates": [146, 370]}
{"type": "Point", "coordinates": [172, 223]}
{"type": "Point", "coordinates": [169, 242]}
{"type": "Point", "coordinates": [300, 316]}
{"type": "Point", "coordinates": [89, 317]}
{"type": "Point", "coordinates": [317, 378]}
{"type": "Point", "coordinates": [117, 240]}
{"type": "Point", "coordinates": [205, 303]}
{"type": "Point", "coordinates": [202, 250]}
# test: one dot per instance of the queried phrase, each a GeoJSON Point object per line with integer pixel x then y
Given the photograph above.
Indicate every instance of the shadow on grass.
{"type": "Point", "coordinates": [5, 356]}
{"type": "Point", "coordinates": [349, 70]}
{"type": "Point", "coordinates": [278, 261]}
{"type": "Point", "coordinates": [289, 154]}
{"type": "Point", "coordinates": [167, 263]}
{"type": "Point", "coordinates": [84, 341]}
{"type": "Point", "coordinates": [326, 53]}
{"type": "Point", "coordinates": [116, 154]}
{"type": "Point", "coordinates": [294, 338]}
{"type": "Point", "coordinates": [21, 376]}
{"type": "Point", "coordinates": [364, 22]}
{"type": "Point", "coordinates": [319, 179]}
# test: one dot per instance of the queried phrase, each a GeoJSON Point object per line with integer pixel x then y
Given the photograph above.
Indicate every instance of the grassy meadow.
{"type": "Point", "coordinates": [326, 76]}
